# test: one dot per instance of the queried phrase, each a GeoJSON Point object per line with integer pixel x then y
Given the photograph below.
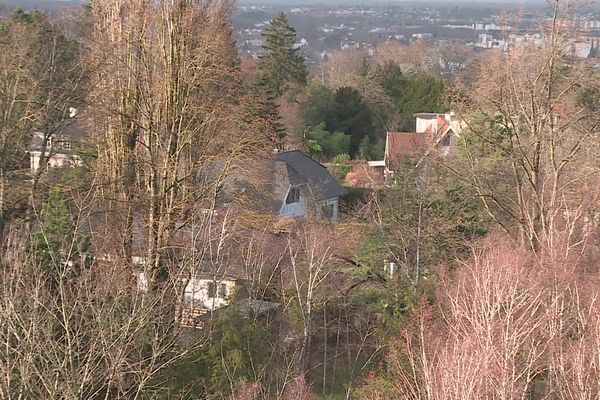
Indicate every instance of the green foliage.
{"type": "Point", "coordinates": [486, 149]}
{"type": "Point", "coordinates": [314, 148]}
{"type": "Point", "coordinates": [238, 345]}
{"type": "Point", "coordinates": [343, 114]}
{"type": "Point", "coordinates": [237, 348]}
{"type": "Point", "coordinates": [55, 246]}
{"type": "Point", "coordinates": [589, 98]}
{"type": "Point", "coordinates": [376, 386]}
{"type": "Point", "coordinates": [350, 115]}
{"type": "Point", "coordinates": [370, 151]}
{"type": "Point", "coordinates": [390, 71]}
{"type": "Point", "coordinates": [371, 255]}
{"type": "Point", "coordinates": [488, 136]}
{"type": "Point", "coordinates": [281, 65]}
{"type": "Point", "coordinates": [424, 220]}
{"type": "Point", "coordinates": [327, 143]}
{"type": "Point", "coordinates": [319, 103]}
{"type": "Point", "coordinates": [414, 93]}
{"type": "Point", "coordinates": [261, 115]}
{"type": "Point", "coordinates": [340, 166]}
{"type": "Point", "coordinates": [53, 237]}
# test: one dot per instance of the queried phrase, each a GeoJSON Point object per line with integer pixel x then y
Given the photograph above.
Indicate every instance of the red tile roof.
{"type": "Point", "coordinates": [405, 144]}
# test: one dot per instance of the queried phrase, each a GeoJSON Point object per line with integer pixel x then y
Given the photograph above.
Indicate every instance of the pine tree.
{"type": "Point", "coordinates": [261, 114]}
{"type": "Point", "coordinates": [56, 246]}
{"type": "Point", "coordinates": [351, 115]}
{"type": "Point", "coordinates": [281, 64]}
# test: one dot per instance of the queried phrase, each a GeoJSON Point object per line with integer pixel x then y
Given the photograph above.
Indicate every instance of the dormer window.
{"type": "Point", "coordinates": [293, 196]}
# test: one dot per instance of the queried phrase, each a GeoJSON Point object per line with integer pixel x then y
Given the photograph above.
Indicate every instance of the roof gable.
{"type": "Point", "coordinates": [302, 169]}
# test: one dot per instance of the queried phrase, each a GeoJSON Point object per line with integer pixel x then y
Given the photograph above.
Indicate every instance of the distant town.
{"type": "Point", "coordinates": [323, 30]}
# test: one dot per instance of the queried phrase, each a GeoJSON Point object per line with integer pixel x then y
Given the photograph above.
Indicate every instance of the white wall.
{"type": "Point", "coordinates": [334, 204]}
{"type": "Point", "coordinates": [299, 209]}
{"type": "Point", "coordinates": [423, 124]}
{"type": "Point", "coordinates": [56, 160]}
{"type": "Point", "coordinates": [196, 293]}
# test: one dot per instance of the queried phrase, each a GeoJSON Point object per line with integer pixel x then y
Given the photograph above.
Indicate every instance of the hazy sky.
{"type": "Point", "coordinates": [325, 2]}
{"type": "Point", "coordinates": [378, 2]}
{"type": "Point", "coordinates": [32, 3]}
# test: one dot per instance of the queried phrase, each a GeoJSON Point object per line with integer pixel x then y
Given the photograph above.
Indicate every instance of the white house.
{"type": "Point", "coordinates": [435, 134]}
{"type": "Point", "coordinates": [57, 148]}
{"type": "Point", "coordinates": [200, 291]}
{"type": "Point", "coordinates": [310, 190]}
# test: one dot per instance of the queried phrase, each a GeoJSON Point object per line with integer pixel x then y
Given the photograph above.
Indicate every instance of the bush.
{"type": "Point", "coordinates": [340, 166]}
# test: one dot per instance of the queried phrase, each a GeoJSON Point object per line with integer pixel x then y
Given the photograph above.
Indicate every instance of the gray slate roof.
{"type": "Point", "coordinates": [304, 170]}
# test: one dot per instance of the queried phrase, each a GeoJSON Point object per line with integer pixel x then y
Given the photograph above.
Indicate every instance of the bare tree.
{"type": "Point", "coordinates": [507, 326]}
{"type": "Point", "coordinates": [40, 82]}
{"type": "Point", "coordinates": [164, 96]}
{"type": "Point", "coordinates": [76, 326]}
{"type": "Point", "coordinates": [450, 60]}
{"type": "Point", "coordinates": [534, 144]}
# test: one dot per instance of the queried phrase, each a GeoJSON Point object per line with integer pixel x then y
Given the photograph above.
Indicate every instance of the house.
{"type": "Point", "coordinates": [57, 148]}
{"type": "Point", "coordinates": [205, 291]}
{"type": "Point", "coordinates": [205, 296]}
{"type": "Point", "coordinates": [435, 135]}
{"type": "Point", "coordinates": [208, 292]}
{"type": "Point", "coordinates": [288, 184]}
{"type": "Point", "coordinates": [311, 192]}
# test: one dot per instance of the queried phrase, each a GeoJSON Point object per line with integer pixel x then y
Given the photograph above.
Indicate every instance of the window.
{"type": "Point", "coordinates": [447, 140]}
{"type": "Point", "coordinates": [66, 145]}
{"type": "Point", "coordinates": [222, 290]}
{"type": "Point", "coordinates": [216, 291]}
{"type": "Point", "coordinates": [211, 289]}
{"type": "Point", "coordinates": [293, 196]}
{"type": "Point", "coordinates": [327, 211]}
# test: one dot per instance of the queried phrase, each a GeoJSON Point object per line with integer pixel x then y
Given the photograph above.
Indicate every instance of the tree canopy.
{"type": "Point", "coordinates": [282, 63]}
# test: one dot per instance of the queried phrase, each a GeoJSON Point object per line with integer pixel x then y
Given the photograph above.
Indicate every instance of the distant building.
{"type": "Point", "coordinates": [290, 184]}
{"type": "Point", "coordinates": [58, 148]}
{"type": "Point", "coordinates": [435, 135]}
{"type": "Point", "coordinates": [425, 35]}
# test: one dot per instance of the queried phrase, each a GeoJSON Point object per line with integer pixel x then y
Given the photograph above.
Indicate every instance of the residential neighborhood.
{"type": "Point", "coordinates": [299, 200]}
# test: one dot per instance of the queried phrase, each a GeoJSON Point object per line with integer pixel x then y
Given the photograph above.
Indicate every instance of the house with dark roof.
{"type": "Point", "coordinates": [288, 184]}
{"type": "Point", "coordinates": [58, 146]}
{"type": "Point", "coordinates": [311, 192]}
{"type": "Point", "coordinates": [435, 135]}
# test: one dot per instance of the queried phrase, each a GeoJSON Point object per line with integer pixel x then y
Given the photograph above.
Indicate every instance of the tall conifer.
{"type": "Point", "coordinates": [281, 64]}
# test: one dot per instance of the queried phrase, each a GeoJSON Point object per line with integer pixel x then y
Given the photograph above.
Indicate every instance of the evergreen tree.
{"type": "Point", "coordinates": [281, 64]}
{"type": "Point", "coordinates": [318, 104]}
{"type": "Point", "coordinates": [414, 93]}
{"type": "Point", "coordinates": [55, 244]}
{"type": "Point", "coordinates": [261, 114]}
{"type": "Point", "coordinates": [327, 143]}
{"type": "Point", "coordinates": [351, 115]}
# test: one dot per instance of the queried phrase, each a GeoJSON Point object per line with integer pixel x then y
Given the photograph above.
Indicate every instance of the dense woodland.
{"type": "Point", "coordinates": [496, 294]}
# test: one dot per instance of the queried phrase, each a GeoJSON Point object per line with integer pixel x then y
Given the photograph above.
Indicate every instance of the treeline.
{"type": "Point", "coordinates": [359, 99]}
{"type": "Point", "coordinates": [473, 276]}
